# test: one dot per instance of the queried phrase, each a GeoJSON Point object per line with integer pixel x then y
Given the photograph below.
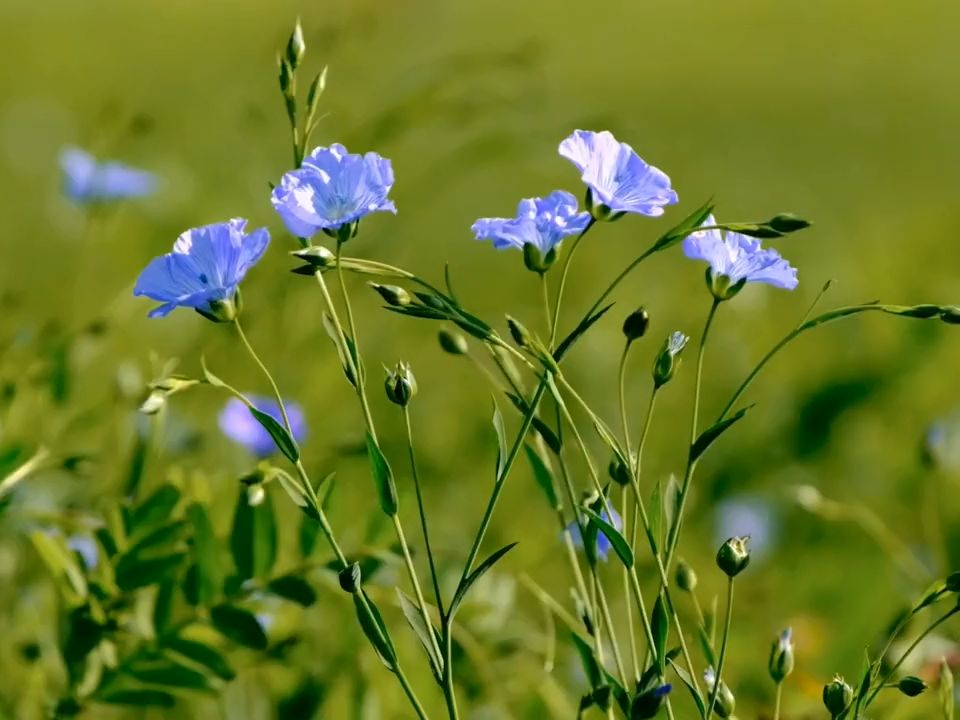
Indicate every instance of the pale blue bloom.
{"type": "Point", "coordinates": [238, 424]}
{"type": "Point", "coordinates": [747, 515]}
{"type": "Point", "coordinates": [87, 548]}
{"type": "Point", "coordinates": [739, 257]}
{"type": "Point", "coordinates": [85, 180]}
{"type": "Point", "coordinates": [541, 222]}
{"type": "Point", "coordinates": [676, 343]}
{"type": "Point", "coordinates": [333, 188]}
{"type": "Point", "coordinates": [603, 543]}
{"type": "Point", "coordinates": [205, 267]}
{"type": "Point", "coordinates": [617, 177]}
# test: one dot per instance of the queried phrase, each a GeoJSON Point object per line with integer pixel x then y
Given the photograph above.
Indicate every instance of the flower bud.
{"type": "Point", "coordinates": [154, 402]}
{"type": "Point", "coordinates": [668, 360]}
{"type": "Point", "coordinates": [685, 576]}
{"type": "Point", "coordinates": [636, 324]}
{"type": "Point", "coordinates": [222, 310]}
{"type": "Point", "coordinates": [837, 695]}
{"type": "Point", "coordinates": [787, 223]}
{"type": "Point", "coordinates": [392, 294]}
{"type": "Point", "coordinates": [536, 261]}
{"type": "Point", "coordinates": [295, 46]}
{"type": "Point", "coordinates": [452, 342]}
{"type": "Point", "coordinates": [286, 77]}
{"type": "Point", "coordinates": [618, 471]}
{"type": "Point", "coordinates": [256, 494]}
{"type": "Point", "coordinates": [734, 556]}
{"type": "Point", "coordinates": [781, 656]}
{"type": "Point", "coordinates": [911, 686]}
{"type": "Point", "coordinates": [951, 315]}
{"type": "Point", "coordinates": [317, 256]}
{"type": "Point", "coordinates": [400, 384]}
{"type": "Point", "coordinates": [726, 702]}
{"type": "Point", "coordinates": [647, 704]}
{"type": "Point", "coordinates": [518, 332]}
{"type": "Point", "coordinates": [350, 578]}
{"type": "Point", "coordinates": [721, 287]}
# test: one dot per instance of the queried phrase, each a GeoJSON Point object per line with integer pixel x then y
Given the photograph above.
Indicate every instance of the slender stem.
{"type": "Point", "coordinates": [621, 382]}
{"type": "Point", "coordinates": [634, 657]}
{"type": "Point", "coordinates": [776, 706]}
{"type": "Point", "coordinates": [617, 280]}
{"type": "Point", "coordinates": [414, 580]}
{"type": "Point", "coordinates": [551, 332]}
{"type": "Point", "coordinates": [266, 372]}
{"type": "Point", "coordinates": [421, 510]}
{"type": "Point", "coordinates": [411, 695]}
{"type": "Point", "coordinates": [723, 650]}
{"type": "Point", "coordinates": [563, 281]}
{"type": "Point", "coordinates": [608, 621]}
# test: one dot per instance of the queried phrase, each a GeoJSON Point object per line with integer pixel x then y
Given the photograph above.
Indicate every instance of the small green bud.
{"type": "Point", "coordinates": [787, 223]}
{"type": "Point", "coordinates": [392, 294]}
{"type": "Point", "coordinates": [685, 576]}
{"type": "Point", "coordinates": [400, 384]}
{"type": "Point", "coordinates": [781, 656]}
{"type": "Point", "coordinates": [837, 695]}
{"type": "Point", "coordinates": [911, 686]}
{"type": "Point", "coordinates": [350, 578]}
{"type": "Point", "coordinates": [951, 315]}
{"type": "Point", "coordinates": [285, 77]}
{"type": "Point", "coordinates": [721, 287]}
{"type": "Point", "coordinates": [452, 342]}
{"type": "Point", "coordinates": [952, 582]}
{"type": "Point", "coordinates": [734, 556]}
{"type": "Point", "coordinates": [295, 46]}
{"type": "Point", "coordinates": [636, 324]}
{"type": "Point", "coordinates": [726, 702]}
{"type": "Point", "coordinates": [618, 471]}
{"type": "Point", "coordinates": [537, 262]}
{"type": "Point", "coordinates": [222, 310]}
{"type": "Point", "coordinates": [519, 333]}
{"type": "Point", "coordinates": [599, 211]}
{"type": "Point", "coordinates": [668, 360]}
{"type": "Point", "coordinates": [317, 256]}
{"type": "Point", "coordinates": [154, 402]}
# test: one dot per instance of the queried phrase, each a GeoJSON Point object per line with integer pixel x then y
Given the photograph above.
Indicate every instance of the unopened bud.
{"type": "Point", "coordinates": [685, 576]}
{"type": "Point", "coordinates": [452, 342]}
{"type": "Point", "coordinates": [350, 578]}
{"type": "Point", "coordinates": [286, 77]}
{"type": "Point", "coordinates": [636, 324]}
{"type": "Point", "coordinates": [518, 332]}
{"type": "Point", "coordinates": [951, 315]}
{"type": "Point", "coordinates": [154, 402]}
{"type": "Point", "coordinates": [726, 702]}
{"type": "Point", "coordinates": [668, 360]}
{"type": "Point", "coordinates": [837, 696]}
{"type": "Point", "coordinates": [618, 471]}
{"type": "Point", "coordinates": [256, 494]}
{"type": "Point", "coordinates": [316, 256]}
{"type": "Point", "coordinates": [295, 46]}
{"type": "Point", "coordinates": [400, 384]}
{"type": "Point", "coordinates": [734, 556]}
{"type": "Point", "coordinates": [911, 686]}
{"type": "Point", "coordinates": [781, 656]}
{"type": "Point", "coordinates": [787, 223]}
{"type": "Point", "coordinates": [392, 294]}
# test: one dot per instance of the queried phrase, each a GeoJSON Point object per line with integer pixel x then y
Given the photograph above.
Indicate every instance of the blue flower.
{"type": "Point", "coordinates": [238, 424]}
{"type": "Point", "coordinates": [747, 515]}
{"type": "Point", "coordinates": [333, 188]}
{"type": "Point", "coordinates": [87, 181]}
{"type": "Point", "coordinates": [618, 179]}
{"type": "Point", "coordinates": [204, 269]}
{"type": "Point", "coordinates": [603, 543]}
{"type": "Point", "coordinates": [541, 222]}
{"type": "Point", "coordinates": [739, 258]}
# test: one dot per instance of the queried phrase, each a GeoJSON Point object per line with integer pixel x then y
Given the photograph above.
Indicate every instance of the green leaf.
{"type": "Point", "coordinates": [543, 476]}
{"type": "Point", "coordinates": [163, 606]}
{"type": "Point", "coordinates": [291, 485]}
{"type": "Point", "coordinates": [155, 509]}
{"type": "Point", "coordinates": [200, 654]}
{"type": "Point", "coordinates": [656, 513]}
{"type": "Point", "coordinates": [253, 538]}
{"type": "Point", "coordinates": [425, 634]}
{"type": "Point", "coordinates": [206, 555]}
{"type": "Point", "coordinates": [133, 572]}
{"type": "Point", "coordinates": [137, 698]}
{"type": "Point", "coordinates": [501, 440]}
{"type": "Point", "coordinates": [660, 625]}
{"type": "Point", "coordinates": [590, 665]}
{"type": "Point", "coordinates": [168, 673]}
{"type": "Point", "coordinates": [331, 330]}
{"type": "Point", "coordinates": [706, 646]}
{"type": "Point", "coordinates": [688, 681]}
{"type": "Point", "coordinates": [564, 347]}
{"type": "Point", "coordinates": [686, 226]}
{"type": "Point", "coordinates": [239, 625]}
{"type": "Point", "coordinates": [946, 690]}
{"type": "Point", "coordinates": [671, 505]}
{"type": "Point", "coordinates": [708, 436]}
{"type": "Point", "coordinates": [62, 564]}
{"type": "Point", "coordinates": [281, 438]}
{"type": "Point", "coordinates": [371, 622]}
{"type": "Point", "coordinates": [210, 377]}
{"type": "Point", "coordinates": [465, 586]}
{"type": "Point", "coordinates": [165, 537]}
{"type": "Point", "coordinates": [382, 477]}
{"type": "Point", "coordinates": [549, 437]}
{"type": "Point", "coordinates": [293, 588]}
{"type": "Point", "coordinates": [619, 543]}
{"type": "Point", "coordinates": [307, 537]}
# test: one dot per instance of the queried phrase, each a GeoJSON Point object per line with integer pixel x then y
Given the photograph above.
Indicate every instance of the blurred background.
{"type": "Point", "coordinates": [845, 113]}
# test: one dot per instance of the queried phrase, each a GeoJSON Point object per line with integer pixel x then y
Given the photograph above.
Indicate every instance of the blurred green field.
{"type": "Point", "coordinates": [845, 113]}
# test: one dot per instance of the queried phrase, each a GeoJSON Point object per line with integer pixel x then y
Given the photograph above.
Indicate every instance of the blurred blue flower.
{"type": "Point", "coordinates": [603, 543]}
{"type": "Point", "coordinates": [750, 516]}
{"type": "Point", "coordinates": [204, 269]}
{"type": "Point", "coordinates": [739, 257]}
{"type": "Point", "coordinates": [541, 222]}
{"type": "Point", "coordinates": [333, 188]}
{"type": "Point", "coordinates": [87, 181]}
{"type": "Point", "coordinates": [617, 177]}
{"type": "Point", "coordinates": [238, 424]}
{"type": "Point", "coordinates": [86, 547]}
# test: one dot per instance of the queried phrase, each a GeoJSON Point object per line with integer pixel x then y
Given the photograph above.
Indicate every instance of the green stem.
{"type": "Point", "coordinates": [634, 656]}
{"type": "Point", "coordinates": [266, 372]}
{"type": "Point", "coordinates": [723, 650]}
{"type": "Point", "coordinates": [608, 621]}
{"type": "Point", "coordinates": [776, 706]}
{"type": "Point", "coordinates": [621, 381]}
{"type": "Point", "coordinates": [551, 326]}
{"type": "Point", "coordinates": [563, 281]}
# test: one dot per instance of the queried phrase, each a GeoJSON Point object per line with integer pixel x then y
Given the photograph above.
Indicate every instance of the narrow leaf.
{"type": "Point", "coordinates": [200, 654]}
{"type": "Point", "coordinates": [686, 226]}
{"type": "Point", "coordinates": [688, 681]}
{"type": "Point", "coordinates": [501, 440]}
{"type": "Point", "coordinates": [371, 622]}
{"type": "Point", "coordinates": [137, 698]}
{"type": "Point", "coordinates": [239, 625]}
{"type": "Point", "coordinates": [590, 665]}
{"type": "Point", "coordinates": [253, 537]}
{"type": "Point", "coordinates": [61, 563]}
{"type": "Point", "coordinates": [281, 438]}
{"type": "Point", "coordinates": [293, 588]}
{"type": "Point", "coordinates": [708, 436]}
{"type": "Point", "coordinates": [382, 477]}
{"type": "Point", "coordinates": [579, 331]}
{"type": "Point", "coordinates": [426, 635]}
{"type": "Point", "coordinates": [543, 476]}
{"type": "Point", "coordinates": [464, 587]}
{"type": "Point", "coordinates": [660, 625]}
{"type": "Point", "coordinates": [206, 555]}
{"type": "Point", "coordinates": [155, 509]}
{"type": "Point", "coordinates": [619, 543]}
{"type": "Point", "coordinates": [671, 505]}
{"type": "Point", "coordinates": [133, 572]}
{"type": "Point", "coordinates": [169, 673]}
{"type": "Point", "coordinates": [946, 690]}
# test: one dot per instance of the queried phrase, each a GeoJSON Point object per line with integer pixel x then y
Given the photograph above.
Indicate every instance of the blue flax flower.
{"type": "Point", "coordinates": [239, 425]}
{"type": "Point", "coordinates": [87, 181]}
{"type": "Point", "coordinates": [333, 188]}
{"type": "Point", "coordinates": [204, 269]}
{"type": "Point", "coordinates": [738, 258]}
{"type": "Point", "coordinates": [618, 179]}
{"type": "Point", "coordinates": [541, 222]}
{"type": "Point", "coordinates": [603, 543]}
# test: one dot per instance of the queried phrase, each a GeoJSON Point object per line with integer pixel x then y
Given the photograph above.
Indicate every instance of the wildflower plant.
{"type": "Point", "coordinates": [620, 535]}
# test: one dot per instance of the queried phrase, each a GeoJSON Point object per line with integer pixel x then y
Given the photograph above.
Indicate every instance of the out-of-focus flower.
{"type": "Point", "coordinates": [86, 547]}
{"type": "Point", "coordinates": [238, 424]}
{"type": "Point", "coordinates": [603, 543]}
{"type": "Point", "coordinates": [331, 189]}
{"type": "Point", "coordinates": [746, 516]}
{"type": "Point", "coordinates": [541, 222]}
{"type": "Point", "coordinates": [618, 179]}
{"type": "Point", "coordinates": [738, 259]}
{"type": "Point", "coordinates": [85, 180]}
{"type": "Point", "coordinates": [204, 269]}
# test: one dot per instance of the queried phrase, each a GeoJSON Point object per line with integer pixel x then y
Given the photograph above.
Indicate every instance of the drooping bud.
{"type": "Point", "coordinates": [400, 384]}
{"type": "Point", "coordinates": [787, 223]}
{"type": "Point", "coordinates": [721, 287]}
{"type": "Point", "coordinates": [317, 256]}
{"type": "Point", "coordinates": [295, 46]}
{"type": "Point", "coordinates": [911, 686]}
{"type": "Point", "coordinates": [350, 578]}
{"type": "Point", "coordinates": [636, 324]}
{"type": "Point", "coordinates": [521, 336]}
{"type": "Point", "coordinates": [734, 556]}
{"type": "Point", "coordinates": [781, 656]}
{"type": "Point", "coordinates": [618, 471]}
{"type": "Point", "coordinates": [452, 342]}
{"type": "Point", "coordinates": [837, 696]}
{"type": "Point", "coordinates": [726, 702]}
{"type": "Point", "coordinates": [392, 294]}
{"type": "Point", "coordinates": [685, 576]}
{"type": "Point", "coordinates": [668, 360]}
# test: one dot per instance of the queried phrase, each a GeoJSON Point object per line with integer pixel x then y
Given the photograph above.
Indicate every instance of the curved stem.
{"type": "Point", "coordinates": [611, 633]}
{"type": "Point", "coordinates": [723, 650]}
{"type": "Point", "coordinates": [563, 280]}
{"type": "Point", "coordinates": [266, 372]}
